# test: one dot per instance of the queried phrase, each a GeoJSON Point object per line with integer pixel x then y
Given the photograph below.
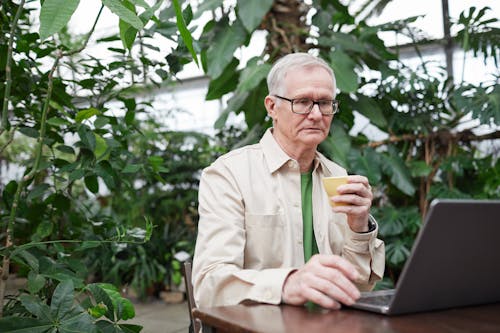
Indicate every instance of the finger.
{"type": "Point", "coordinates": [363, 190]}
{"type": "Point", "coordinates": [358, 179]}
{"type": "Point", "coordinates": [336, 285]}
{"type": "Point", "coordinates": [353, 200]}
{"type": "Point", "coordinates": [337, 262]}
{"type": "Point", "coordinates": [320, 298]}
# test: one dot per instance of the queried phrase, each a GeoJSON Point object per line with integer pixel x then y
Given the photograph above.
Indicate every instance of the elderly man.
{"type": "Point", "coordinates": [267, 232]}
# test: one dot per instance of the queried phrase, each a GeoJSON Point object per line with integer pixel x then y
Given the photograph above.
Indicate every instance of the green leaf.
{"type": "Point", "coordinates": [253, 74]}
{"type": "Point", "coordinates": [337, 145]}
{"type": "Point", "coordinates": [101, 150]}
{"type": "Point", "coordinates": [105, 171]}
{"type": "Point", "coordinates": [220, 52]}
{"type": "Point", "coordinates": [131, 168]}
{"type": "Point", "coordinates": [92, 184]}
{"type": "Point", "coordinates": [86, 114]}
{"type": "Point", "coordinates": [29, 132]}
{"type": "Point", "coordinates": [251, 12]}
{"type": "Point", "coordinates": [394, 167]}
{"type": "Point", "coordinates": [62, 299]}
{"type": "Point", "coordinates": [66, 149]}
{"type": "Point", "coordinates": [343, 67]}
{"type": "Point", "coordinates": [420, 169]}
{"type": "Point", "coordinates": [367, 165]}
{"type": "Point", "coordinates": [101, 296]}
{"type": "Point", "coordinates": [25, 325]}
{"type": "Point", "coordinates": [28, 258]}
{"type": "Point", "coordinates": [55, 121]}
{"type": "Point", "coordinates": [38, 191]}
{"type": "Point", "coordinates": [35, 282]}
{"type": "Point", "coordinates": [127, 32]}
{"type": "Point", "coordinates": [124, 13]}
{"type": "Point", "coordinates": [224, 83]}
{"type": "Point", "coordinates": [371, 110]}
{"type": "Point", "coordinates": [130, 328]}
{"type": "Point", "coordinates": [36, 307]}
{"type": "Point", "coordinates": [233, 105]}
{"type": "Point", "coordinates": [54, 15]}
{"type": "Point", "coordinates": [124, 308]}
{"type": "Point", "coordinates": [185, 34]}
{"type": "Point", "coordinates": [44, 229]}
{"type": "Point", "coordinates": [87, 137]}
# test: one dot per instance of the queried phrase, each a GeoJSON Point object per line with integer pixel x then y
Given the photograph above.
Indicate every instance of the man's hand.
{"type": "Point", "coordinates": [357, 193]}
{"type": "Point", "coordinates": [325, 280]}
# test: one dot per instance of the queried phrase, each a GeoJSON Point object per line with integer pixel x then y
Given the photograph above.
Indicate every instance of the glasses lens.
{"type": "Point", "coordinates": [301, 105]}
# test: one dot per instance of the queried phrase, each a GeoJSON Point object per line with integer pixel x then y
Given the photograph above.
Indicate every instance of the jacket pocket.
{"type": "Point", "coordinates": [264, 240]}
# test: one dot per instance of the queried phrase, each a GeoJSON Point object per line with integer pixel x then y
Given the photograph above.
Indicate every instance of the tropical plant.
{"type": "Point", "coordinates": [56, 213]}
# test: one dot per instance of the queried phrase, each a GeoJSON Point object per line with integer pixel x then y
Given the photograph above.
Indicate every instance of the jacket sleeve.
{"type": "Point", "coordinates": [219, 276]}
{"type": "Point", "coordinates": [367, 253]}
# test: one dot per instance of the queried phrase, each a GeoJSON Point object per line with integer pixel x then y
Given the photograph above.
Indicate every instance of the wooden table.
{"type": "Point", "coordinates": [285, 318]}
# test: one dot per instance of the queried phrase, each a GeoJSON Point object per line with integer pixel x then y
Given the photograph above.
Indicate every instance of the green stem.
{"type": "Point", "coordinates": [8, 69]}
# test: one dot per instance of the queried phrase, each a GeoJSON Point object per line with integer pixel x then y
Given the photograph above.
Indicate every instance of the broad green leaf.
{"type": "Point", "coordinates": [123, 307]}
{"type": "Point", "coordinates": [55, 121]}
{"type": "Point", "coordinates": [54, 15]}
{"type": "Point", "coordinates": [141, 3]}
{"type": "Point", "coordinates": [220, 52]}
{"type": "Point", "coordinates": [251, 12]}
{"type": "Point", "coordinates": [344, 40]}
{"type": "Point", "coordinates": [124, 13]}
{"type": "Point", "coordinates": [130, 328]}
{"type": "Point", "coordinates": [233, 105]}
{"type": "Point", "coordinates": [131, 168]}
{"type": "Point", "coordinates": [38, 191]}
{"type": "Point", "coordinates": [337, 145]}
{"type": "Point", "coordinates": [207, 6]}
{"type": "Point", "coordinates": [343, 67]}
{"type": "Point", "coordinates": [25, 325]}
{"type": "Point", "coordinates": [366, 164]}
{"type": "Point", "coordinates": [101, 150]}
{"type": "Point", "coordinates": [77, 320]}
{"type": "Point", "coordinates": [35, 282]}
{"type": "Point", "coordinates": [66, 149]}
{"type": "Point", "coordinates": [101, 296]}
{"type": "Point", "coordinates": [92, 184]}
{"type": "Point", "coordinates": [62, 299]}
{"type": "Point", "coordinates": [395, 168]}
{"type": "Point", "coordinates": [224, 83]}
{"type": "Point", "coordinates": [105, 171]}
{"type": "Point", "coordinates": [420, 169]}
{"type": "Point", "coordinates": [29, 131]}
{"type": "Point", "coordinates": [127, 31]}
{"type": "Point", "coordinates": [28, 258]}
{"type": "Point", "coordinates": [36, 307]}
{"type": "Point", "coordinates": [371, 110]}
{"type": "Point", "coordinates": [253, 74]}
{"type": "Point", "coordinates": [185, 34]}
{"type": "Point", "coordinates": [255, 111]}
{"type": "Point", "coordinates": [98, 310]}
{"type": "Point", "coordinates": [86, 114]}
{"type": "Point", "coordinates": [87, 137]}
{"type": "Point", "coordinates": [44, 229]}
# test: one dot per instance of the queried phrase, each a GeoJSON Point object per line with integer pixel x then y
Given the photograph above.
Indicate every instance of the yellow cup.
{"type": "Point", "coordinates": [330, 184]}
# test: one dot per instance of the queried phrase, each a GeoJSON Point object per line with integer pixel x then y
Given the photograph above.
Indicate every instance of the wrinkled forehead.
{"type": "Point", "coordinates": [295, 75]}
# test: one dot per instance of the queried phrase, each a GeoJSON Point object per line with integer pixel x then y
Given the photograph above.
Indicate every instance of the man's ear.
{"type": "Point", "coordinates": [270, 104]}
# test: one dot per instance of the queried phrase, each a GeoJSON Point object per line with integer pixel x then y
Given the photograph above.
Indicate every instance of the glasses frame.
{"type": "Point", "coordinates": [335, 105]}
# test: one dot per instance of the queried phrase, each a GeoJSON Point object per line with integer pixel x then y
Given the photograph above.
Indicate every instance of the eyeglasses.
{"type": "Point", "coordinates": [327, 107]}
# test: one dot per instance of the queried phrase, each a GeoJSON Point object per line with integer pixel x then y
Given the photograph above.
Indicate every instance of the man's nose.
{"type": "Point", "coordinates": [315, 111]}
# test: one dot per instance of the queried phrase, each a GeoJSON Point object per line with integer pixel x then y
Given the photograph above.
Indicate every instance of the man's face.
{"type": "Point", "coordinates": [296, 132]}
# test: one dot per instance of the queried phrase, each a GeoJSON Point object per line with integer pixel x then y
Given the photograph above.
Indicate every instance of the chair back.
{"type": "Point", "coordinates": [195, 323]}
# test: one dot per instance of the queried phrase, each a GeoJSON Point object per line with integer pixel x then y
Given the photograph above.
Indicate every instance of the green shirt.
{"type": "Point", "coordinates": [310, 246]}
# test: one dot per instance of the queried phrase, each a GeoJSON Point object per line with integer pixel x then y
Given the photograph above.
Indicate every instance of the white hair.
{"type": "Point", "coordinates": [276, 76]}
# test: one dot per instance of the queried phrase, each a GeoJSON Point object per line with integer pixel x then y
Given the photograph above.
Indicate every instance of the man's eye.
{"type": "Point", "coordinates": [325, 103]}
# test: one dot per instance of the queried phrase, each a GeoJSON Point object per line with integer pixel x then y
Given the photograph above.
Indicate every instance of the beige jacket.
{"type": "Point", "coordinates": [250, 228]}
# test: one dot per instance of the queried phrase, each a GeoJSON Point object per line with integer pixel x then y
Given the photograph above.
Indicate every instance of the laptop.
{"type": "Point", "coordinates": [455, 261]}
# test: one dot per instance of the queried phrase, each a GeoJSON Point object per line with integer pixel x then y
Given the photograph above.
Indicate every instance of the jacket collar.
{"type": "Point", "coordinates": [276, 157]}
